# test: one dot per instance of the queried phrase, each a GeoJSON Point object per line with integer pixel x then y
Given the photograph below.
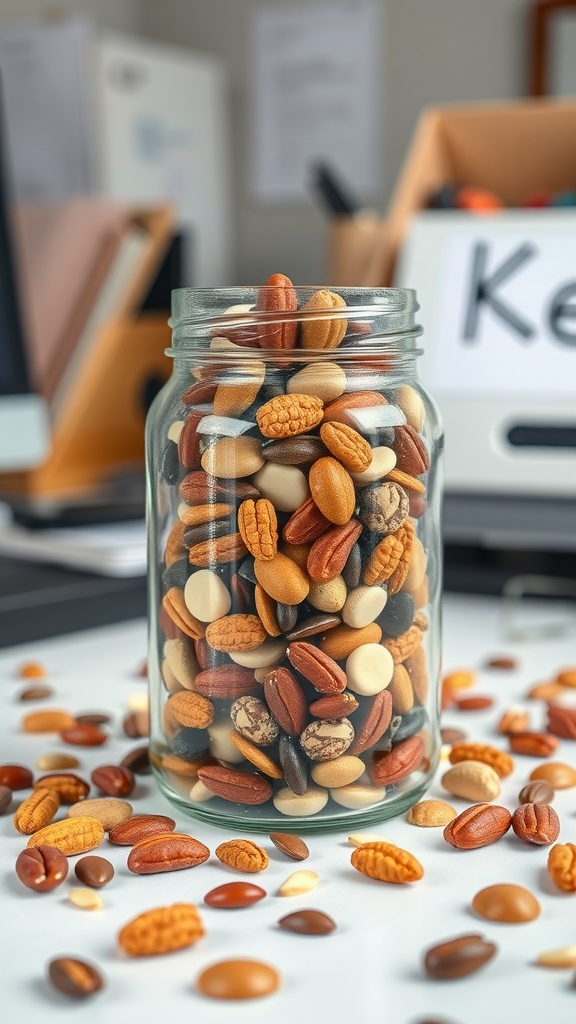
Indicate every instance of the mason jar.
{"type": "Point", "coordinates": [294, 501]}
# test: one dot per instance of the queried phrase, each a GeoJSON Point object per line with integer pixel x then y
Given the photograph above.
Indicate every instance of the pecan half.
{"type": "Point", "coordinates": [318, 668]}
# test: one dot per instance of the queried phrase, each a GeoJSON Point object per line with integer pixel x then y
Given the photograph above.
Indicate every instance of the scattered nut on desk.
{"type": "Point", "coordinates": [85, 899]}
{"type": "Point", "coordinates": [299, 882]}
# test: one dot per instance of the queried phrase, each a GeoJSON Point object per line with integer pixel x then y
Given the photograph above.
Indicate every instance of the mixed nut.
{"type": "Point", "coordinates": [290, 664]}
{"type": "Point", "coordinates": [153, 845]}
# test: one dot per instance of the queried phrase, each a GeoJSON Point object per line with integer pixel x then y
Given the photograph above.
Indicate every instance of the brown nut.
{"type": "Point", "coordinates": [499, 760]}
{"type": "Point", "coordinates": [477, 826]}
{"type": "Point", "coordinates": [114, 780]}
{"type": "Point", "coordinates": [166, 851]}
{"type": "Point", "coordinates": [537, 792]}
{"type": "Point", "coordinates": [536, 823]}
{"type": "Point", "coordinates": [534, 744]}
{"type": "Point", "coordinates": [561, 866]}
{"type": "Point", "coordinates": [36, 812]}
{"type": "Point", "coordinates": [41, 868]}
{"type": "Point", "coordinates": [386, 863]}
{"type": "Point", "coordinates": [243, 855]}
{"type": "Point", "coordinates": [161, 930]}
{"type": "Point", "coordinates": [456, 958]}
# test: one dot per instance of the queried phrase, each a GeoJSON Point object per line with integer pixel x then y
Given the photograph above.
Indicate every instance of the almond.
{"type": "Point", "coordinates": [286, 700]}
{"type": "Point", "coordinates": [282, 579]}
{"type": "Point", "coordinates": [477, 826]}
{"type": "Point", "coordinates": [227, 682]}
{"type": "Point", "coordinates": [317, 667]}
{"type": "Point", "coordinates": [389, 768]}
{"type": "Point", "coordinates": [236, 786]}
{"type": "Point", "coordinates": [140, 826]}
{"type": "Point", "coordinates": [166, 851]}
{"type": "Point", "coordinates": [306, 524]}
{"type": "Point", "coordinates": [332, 489]}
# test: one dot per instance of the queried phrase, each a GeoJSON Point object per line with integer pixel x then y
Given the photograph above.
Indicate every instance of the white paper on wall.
{"type": "Point", "coordinates": [163, 113]}
{"type": "Point", "coordinates": [315, 96]}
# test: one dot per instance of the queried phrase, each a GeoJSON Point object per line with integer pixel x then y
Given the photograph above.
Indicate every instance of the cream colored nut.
{"type": "Point", "coordinates": [383, 462]}
{"type": "Point", "coordinates": [342, 771]}
{"type": "Point", "coordinates": [358, 795]}
{"type": "Point", "coordinates": [563, 956]}
{"type": "Point", "coordinates": [407, 399]}
{"type": "Point", "coordinates": [206, 596]}
{"type": "Point", "coordinates": [299, 882]}
{"type": "Point", "coordinates": [369, 669]}
{"type": "Point", "coordinates": [431, 813]}
{"type": "Point", "coordinates": [85, 899]}
{"type": "Point", "coordinates": [359, 838]}
{"type": "Point", "coordinates": [138, 701]}
{"type": "Point", "coordinates": [108, 810]}
{"type": "Point", "coordinates": [417, 568]}
{"type": "Point", "coordinates": [325, 380]}
{"type": "Point", "coordinates": [472, 780]}
{"type": "Point", "coordinates": [311, 802]}
{"type": "Point", "coordinates": [182, 661]}
{"type": "Point", "coordinates": [269, 653]}
{"type": "Point", "coordinates": [56, 762]}
{"type": "Point", "coordinates": [233, 457]}
{"type": "Point", "coordinates": [199, 793]}
{"type": "Point", "coordinates": [174, 430]}
{"type": "Point", "coordinates": [328, 597]}
{"type": "Point", "coordinates": [363, 605]}
{"type": "Point", "coordinates": [221, 746]}
{"type": "Point", "coordinates": [285, 486]}
{"type": "Point", "coordinates": [170, 681]}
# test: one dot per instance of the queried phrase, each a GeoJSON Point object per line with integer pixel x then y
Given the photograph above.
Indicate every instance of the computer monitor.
{"type": "Point", "coordinates": [24, 424]}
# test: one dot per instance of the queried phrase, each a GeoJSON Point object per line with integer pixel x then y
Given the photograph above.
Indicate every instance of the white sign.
{"type": "Point", "coordinates": [497, 298]}
{"type": "Point", "coordinates": [315, 92]}
{"type": "Point", "coordinates": [502, 308]}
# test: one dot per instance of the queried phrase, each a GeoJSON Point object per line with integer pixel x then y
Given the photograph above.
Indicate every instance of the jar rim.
{"type": "Point", "coordinates": [199, 314]}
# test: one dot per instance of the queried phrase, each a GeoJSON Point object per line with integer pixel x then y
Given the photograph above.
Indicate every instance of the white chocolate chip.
{"type": "Point", "coordinates": [299, 882]}
{"type": "Point", "coordinates": [563, 956]}
{"type": "Point", "coordinates": [174, 430]}
{"type": "Point", "coordinates": [359, 838]}
{"type": "Point", "coordinates": [369, 669]}
{"type": "Point", "coordinates": [311, 802]}
{"type": "Point", "coordinates": [85, 899]}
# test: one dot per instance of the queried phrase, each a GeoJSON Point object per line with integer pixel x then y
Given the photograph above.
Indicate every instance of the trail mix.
{"type": "Point", "coordinates": [294, 585]}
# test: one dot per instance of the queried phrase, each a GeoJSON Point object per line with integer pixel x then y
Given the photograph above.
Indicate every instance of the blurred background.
{"type": "Point", "coordinates": [151, 145]}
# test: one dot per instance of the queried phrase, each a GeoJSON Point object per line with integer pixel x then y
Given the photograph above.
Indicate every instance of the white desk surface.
{"type": "Point", "coordinates": [369, 969]}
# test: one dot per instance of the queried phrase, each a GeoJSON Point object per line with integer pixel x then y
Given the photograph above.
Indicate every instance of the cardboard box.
{"type": "Point", "coordinates": [98, 407]}
{"type": "Point", "coordinates": [514, 149]}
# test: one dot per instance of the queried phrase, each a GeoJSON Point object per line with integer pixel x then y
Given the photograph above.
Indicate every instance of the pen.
{"type": "Point", "coordinates": [331, 192]}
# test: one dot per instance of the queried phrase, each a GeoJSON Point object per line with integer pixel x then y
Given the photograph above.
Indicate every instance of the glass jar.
{"type": "Point", "coordinates": [294, 559]}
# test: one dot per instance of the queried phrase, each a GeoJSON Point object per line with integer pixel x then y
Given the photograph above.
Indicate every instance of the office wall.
{"type": "Point", "coordinates": [433, 51]}
{"type": "Point", "coordinates": [123, 15]}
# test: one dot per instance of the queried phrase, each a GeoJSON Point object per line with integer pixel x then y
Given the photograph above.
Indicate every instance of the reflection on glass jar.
{"type": "Point", "coordinates": [294, 559]}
